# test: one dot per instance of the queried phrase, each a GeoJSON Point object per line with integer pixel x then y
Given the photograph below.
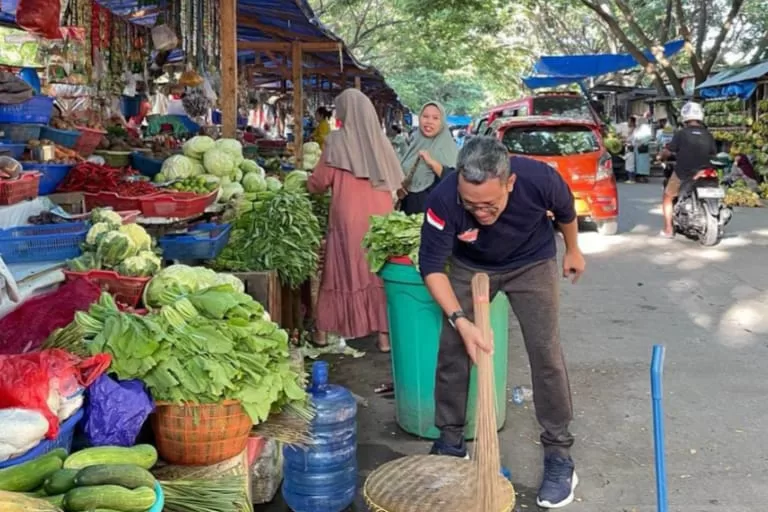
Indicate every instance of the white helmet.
{"type": "Point", "coordinates": [692, 112]}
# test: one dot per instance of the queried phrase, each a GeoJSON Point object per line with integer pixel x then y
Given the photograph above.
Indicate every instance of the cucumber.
{"type": "Point", "coordinates": [59, 452]}
{"type": "Point", "coordinates": [82, 499]}
{"type": "Point", "coordinates": [57, 500]}
{"type": "Point", "coordinates": [60, 482]}
{"type": "Point", "coordinates": [124, 475]}
{"type": "Point", "coordinates": [142, 455]}
{"type": "Point", "coordinates": [28, 476]}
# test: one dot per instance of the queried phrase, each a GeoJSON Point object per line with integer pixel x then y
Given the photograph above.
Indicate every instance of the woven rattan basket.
{"type": "Point", "coordinates": [200, 434]}
{"type": "Point", "coordinates": [427, 483]}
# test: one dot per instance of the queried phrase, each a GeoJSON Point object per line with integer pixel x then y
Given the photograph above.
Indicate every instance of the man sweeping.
{"type": "Point", "coordinates": [491, 216]}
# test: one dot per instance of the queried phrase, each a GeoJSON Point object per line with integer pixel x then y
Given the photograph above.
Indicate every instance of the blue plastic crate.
{"type": "Point", "coordinates": [130, 105]}
{"type": "Point", "coordinates": [63, 440]}
{"type": "Point", "coordinates": [202, 242]}
{"type": "Point", "coordinates": [15, 149]}
{"type": "Point", "coordinates": [66, 138]}
{"type": "Point", "coordinates": [145, 165]}
{"type": "Point", "coordinates": [48, 242]}
{"type": "Point", "coordinates": [51, 175]}
{"type": "Point", "coordinates": [20, 133]}
{"type": "Point", "coordinates": [36, 110]}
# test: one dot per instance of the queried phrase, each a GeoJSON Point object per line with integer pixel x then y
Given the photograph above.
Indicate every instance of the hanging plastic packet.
{"type": "Point", "coordinates": [130, 83]}
{"type": "Point", "coordinates": [208, 90]}
{"type": "Point", "coordinates": [164, 38]}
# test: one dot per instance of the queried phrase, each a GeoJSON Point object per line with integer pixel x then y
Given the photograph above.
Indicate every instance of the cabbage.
{"type": "Point", "coordinates": [254, 182]}
{"type": "Point", "coordinates": [178, 167]}
{"type": "Point", "coordinates": [210, 178]}
{"type": "Point", "coordinates": [232, 147]}
{"type": "Point", "coordinates": [250, 166]}
{"type": "Point", "coordinates": [273, 184]}
{"type": "Point", "coordinates": [225, 180]}
{"type": "Point", "coordinates": [197, 146]}
{"type": "Point", "coordinates": [231, 280]}
{"type": "Point", "coordinates": [311, 148]}
{"type": "Point", "coordinates": [231, 190]}
{"type": "Point", "coordinates": [197, 168]}
{"type": "Point", "coordinates": [176, 280]}
{"type": "Point", "coordinates": [138, 236]}
{"type": "Point", "coordinates": [238, 175]}
{"type": "Point", "coordinates": [219, 163]}
{"type": "Point", "coordinates": [296, 181]}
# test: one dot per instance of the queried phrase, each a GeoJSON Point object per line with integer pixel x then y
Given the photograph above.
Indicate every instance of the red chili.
{"type": "Point", "coordinates": [90, 177]}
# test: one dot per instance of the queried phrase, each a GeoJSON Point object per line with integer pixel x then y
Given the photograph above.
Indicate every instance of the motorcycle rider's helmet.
{"type": "Point", "coordinates": [692, 112]}
{"type": "Point", "coordinates": [722, 160]}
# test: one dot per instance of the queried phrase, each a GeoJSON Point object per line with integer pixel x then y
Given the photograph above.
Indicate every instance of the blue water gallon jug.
{"type": "Point", "coordinates": [323, 477]}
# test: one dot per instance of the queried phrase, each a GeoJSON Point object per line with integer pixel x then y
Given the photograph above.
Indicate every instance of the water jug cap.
{"type": "Point", "coordinates": [320, 373]}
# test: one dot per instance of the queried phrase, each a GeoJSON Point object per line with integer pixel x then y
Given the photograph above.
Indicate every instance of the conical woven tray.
{"type": "Point", "coordinates": [427, 483]}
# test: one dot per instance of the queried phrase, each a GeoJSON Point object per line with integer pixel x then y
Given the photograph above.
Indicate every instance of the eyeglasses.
{"type": "Point", "coordinates": [473, 208]}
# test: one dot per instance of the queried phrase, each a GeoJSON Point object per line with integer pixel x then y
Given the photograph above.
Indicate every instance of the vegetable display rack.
{"type": "Point", "coordinates": [126, 290]}
{"type": "Point", "coordinates": [15, 191]}
{"type": "Point", "coordinates": [50, 242]}
{"type": "Point", "coordinates": [89, 140]}
{"type": "Point", "coordinates": [115, 201]}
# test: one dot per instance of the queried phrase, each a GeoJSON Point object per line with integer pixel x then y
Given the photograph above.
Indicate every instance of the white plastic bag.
{"type": "Point", "coordinates": [22, 430]}
{"type": "Point", "coordinates": [130, 84]}
{"type": "Point", "coordinates": [164, 38]}
{"type": "Point", "coordinates": [208, 90]}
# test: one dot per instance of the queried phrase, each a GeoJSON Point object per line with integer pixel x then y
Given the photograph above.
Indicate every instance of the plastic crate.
{"type": "Point", "coordinates": [114, 201]}
{"type": "Point", "coordinates": [12, 192]}
{"type": "Point", "coordinates": [147, 166]}
{"type": "Point", "coordinates": [63, 440]}
{"type": "Point", "coordinates": [36, 110]}
{"type": "Point", "coordinates": [20, 133]}
{"type": "Point", "coordinates": [89, 141]}
{"type": "Point", "coordinates": [130, 105]}
{"type": "Point", "coordinates": [203, 242]}
{"type": "Point", "coordinates": [14, 149]}
{"type": "Point", "coordinates": [48, 242]}
{"type": "Point", "coordinates": [178, 205]}
{"type": "Point", "coordinates": [66, 138]}
{"type": "Point", "coordinates": [126, 290]}
{"type": "Point", "coordinates": [115, 159]}
{"type": "Point", "coordinates": [50, 175]}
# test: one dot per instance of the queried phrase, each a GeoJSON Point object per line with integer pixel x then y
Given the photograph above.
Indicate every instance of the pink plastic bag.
{"type": "Point", "coordinates": [28, 380]}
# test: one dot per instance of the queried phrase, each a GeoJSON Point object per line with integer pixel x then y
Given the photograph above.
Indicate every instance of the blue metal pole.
{"type": "Point", "coordinates": [657, 371]}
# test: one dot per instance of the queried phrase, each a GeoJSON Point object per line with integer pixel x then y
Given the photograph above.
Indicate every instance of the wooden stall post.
{"type": "Point", "coordinates": [297, 58]}
{"type": "Point", "coordinates": [228, 31]}
{"type": "Point", "coordinates": [358, 83]}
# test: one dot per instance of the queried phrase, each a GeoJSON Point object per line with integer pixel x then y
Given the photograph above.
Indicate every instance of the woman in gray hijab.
{"type": "Point", "coordinates": [431, 151]}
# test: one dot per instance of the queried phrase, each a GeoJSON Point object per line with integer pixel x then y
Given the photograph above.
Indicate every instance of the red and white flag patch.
{"type": "Point", "coordinates": [469, 236]}
{"type": "Point", "coordinates": [435, 221]}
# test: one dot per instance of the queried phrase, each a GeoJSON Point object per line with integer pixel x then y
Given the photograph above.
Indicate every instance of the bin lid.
{"type": "Point", "coordinates": [401, 270]}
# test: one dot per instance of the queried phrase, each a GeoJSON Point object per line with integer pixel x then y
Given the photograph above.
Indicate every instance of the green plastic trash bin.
{"type": "Point", "coordinates": [415, 321]}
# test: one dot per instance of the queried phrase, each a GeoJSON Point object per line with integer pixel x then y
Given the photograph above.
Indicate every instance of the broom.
{"type": "Point", "coordinates": [487, 460]}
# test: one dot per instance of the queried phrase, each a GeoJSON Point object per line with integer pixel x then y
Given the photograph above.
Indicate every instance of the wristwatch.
{"type": "Point", "coordinates": [455, 317]}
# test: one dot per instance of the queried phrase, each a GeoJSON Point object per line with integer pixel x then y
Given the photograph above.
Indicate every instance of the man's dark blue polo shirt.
{"type": "Point", "coordinates": [523, 234]}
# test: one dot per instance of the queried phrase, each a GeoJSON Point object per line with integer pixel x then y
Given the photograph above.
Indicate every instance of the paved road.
{"type": "Point", "coordinates": [706, 305]}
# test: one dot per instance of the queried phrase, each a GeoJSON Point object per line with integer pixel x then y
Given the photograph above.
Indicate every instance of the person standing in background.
{"type": "Point", "coordinates": [323, 128]}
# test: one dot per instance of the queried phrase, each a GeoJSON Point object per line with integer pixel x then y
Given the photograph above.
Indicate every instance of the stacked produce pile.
{"type": "Point", "coordinates": [739, 194]}
{"type": "Point", "coordinates": [110, 479]}
{"type": "Point", "coordinates": [207, 164]}
{"type": "Point", "coordinates": [393, 235]}
{"type": "Point", "coordinates": [752, 137]}
{"type": "Point", "coordinates": [111, 245]}
{"type": "Point", "coordinates": [275, 228]}
{"type": "Point", "coordinates": [727, 113]}
{"type": "Point", "coordinates": [95, 178]}
{"type": "Point", "coordinates": [205, 342]}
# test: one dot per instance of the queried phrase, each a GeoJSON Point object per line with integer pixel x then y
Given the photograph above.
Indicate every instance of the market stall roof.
{"type": "Point", "coordinates": [738, 82]}
{"type": "Point", "coordinates": [554, 70]}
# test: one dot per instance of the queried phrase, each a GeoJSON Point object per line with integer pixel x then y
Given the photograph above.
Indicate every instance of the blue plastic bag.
{"type": "Point", "coordinates": [116, 411]}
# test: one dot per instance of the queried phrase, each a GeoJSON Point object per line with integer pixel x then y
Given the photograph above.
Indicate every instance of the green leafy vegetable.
{"type": "Point", "coordinates": [396, 234]}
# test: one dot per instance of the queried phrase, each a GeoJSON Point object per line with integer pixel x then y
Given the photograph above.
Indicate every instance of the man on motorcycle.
{"type": "Point", "coordinates": [693, 147]}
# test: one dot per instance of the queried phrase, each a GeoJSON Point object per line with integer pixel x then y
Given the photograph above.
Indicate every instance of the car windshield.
{"type": "Point", "coordinates": [550, 140]}
{"type": "Point", "coordinates": [562, 106]}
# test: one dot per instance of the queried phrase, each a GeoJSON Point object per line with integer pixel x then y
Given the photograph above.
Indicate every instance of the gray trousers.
{"type": "Point", "coordinates": [533, 293]}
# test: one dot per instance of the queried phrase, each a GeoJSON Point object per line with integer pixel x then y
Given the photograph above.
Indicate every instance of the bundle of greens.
{"type": "Point", "coordinates": [203, 347]}
{"type": "Point", "coordinates": [273, 230]}
{"type": "Point", "coordinates": [396, 234]}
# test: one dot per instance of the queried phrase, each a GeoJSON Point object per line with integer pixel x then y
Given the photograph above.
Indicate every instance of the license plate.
{"type": "Point", "coordinates": [710, 193]}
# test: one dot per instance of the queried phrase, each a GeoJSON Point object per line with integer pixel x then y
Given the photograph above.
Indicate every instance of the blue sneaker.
{"type": "Point", "coordinates": [440, 447]}
{"type": "Point", "coordinates": [559, 482]}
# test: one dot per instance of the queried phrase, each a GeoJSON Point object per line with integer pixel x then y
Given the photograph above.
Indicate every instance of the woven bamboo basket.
{"type": "Point", "coordinates": [200, 434]}
{"type": "Point", "coordinates": [427, 483]}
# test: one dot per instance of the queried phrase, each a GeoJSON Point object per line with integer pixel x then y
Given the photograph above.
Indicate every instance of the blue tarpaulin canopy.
{"type": "Point", "coordinates": [551, 71]}
{"type": "Point", "coordinates": [458, 120]}
{"type": "Point", "coordinates": [733, 83]}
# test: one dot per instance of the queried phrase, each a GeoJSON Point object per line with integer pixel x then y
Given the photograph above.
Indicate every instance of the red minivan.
{"type": "Point", "coordinates": [562, 104]}
{"type": "Point", "coordinates": [573, 147]}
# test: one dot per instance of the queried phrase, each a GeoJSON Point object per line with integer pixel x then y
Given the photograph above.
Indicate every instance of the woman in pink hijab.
{"type": "Point", "coordinates": [362, 171]}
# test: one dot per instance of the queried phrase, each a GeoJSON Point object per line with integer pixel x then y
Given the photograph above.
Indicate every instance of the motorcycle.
{"type": "Point", "coordinates": [699, 211]}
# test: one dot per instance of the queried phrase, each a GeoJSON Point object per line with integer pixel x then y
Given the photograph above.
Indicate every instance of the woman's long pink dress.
{"type": "Point", "coordinates": [351, 302]}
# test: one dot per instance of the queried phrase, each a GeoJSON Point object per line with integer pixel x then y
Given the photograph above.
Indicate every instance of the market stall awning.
{"type": "Point", "coordinates": [738, 82]}
{"type": "Point", "coordinates": [555, 70]}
